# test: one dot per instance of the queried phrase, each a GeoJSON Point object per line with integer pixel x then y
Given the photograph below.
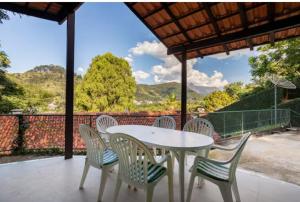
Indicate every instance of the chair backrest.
{"type": "Point", "coordinates": [105, 121]}
{"type": "Point", "coordinates": [236, 156]}
{"type": "Point", "coordinates": [199, 125]}
{"type": "Point", "coordinates": [95, 146]}
{"type": "Point", "coordinates": [165, 122]}
{"type": "Point", "coordinates": [134, 158]}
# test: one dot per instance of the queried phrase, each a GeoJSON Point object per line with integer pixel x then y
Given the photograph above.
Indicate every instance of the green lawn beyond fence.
{"type": "Point", "coordinates": [231, 123]}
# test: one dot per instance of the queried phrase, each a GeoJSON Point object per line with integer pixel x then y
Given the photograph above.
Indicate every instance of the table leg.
{"type": "Point", "coordinates": [181, 155]}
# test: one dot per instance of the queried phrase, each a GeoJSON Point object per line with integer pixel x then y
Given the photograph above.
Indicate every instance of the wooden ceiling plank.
{"type": "Point", "coordinates": [181, 17]}
{"type": "Point", "coordinates": [170, 13]}
{"type": "Point", "coordinates": [204, 24]}
{"type": "Point", "coordinates": [214, 23]}
{"type": "Point", "coordinates": [241, 35]}
{"type": "Point", "coordinates": [156, 10]}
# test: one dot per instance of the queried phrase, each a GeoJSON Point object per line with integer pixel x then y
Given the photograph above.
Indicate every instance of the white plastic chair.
{"type": "Point", "coordinates": [103, 122]}
{"type": "Point", "coordinates": [164, 122]}
{"type": "Point", "coordinates": [201, 126]}
{"type": "Point", "coordinates": [221, 173]}
{"type": "Point", "coordinates": [98, 156]}
{"type": "Point", "coordinates": [138, 167]}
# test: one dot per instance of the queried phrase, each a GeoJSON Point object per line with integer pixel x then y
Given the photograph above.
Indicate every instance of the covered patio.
{"type": "Point", "coordinates": [188, 30]}
{"type": "Point", "coordinates": [55, 179]}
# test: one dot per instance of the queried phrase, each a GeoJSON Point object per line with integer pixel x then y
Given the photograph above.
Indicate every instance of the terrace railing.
{"type": "Point", "coordinates": [30, 133]}
{"type": "Point", "coordinates": [232, 123]}
{"type": "Point", "coordinates": [45, 132]}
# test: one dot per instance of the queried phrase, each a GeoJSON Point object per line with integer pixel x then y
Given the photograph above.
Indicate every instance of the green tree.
{"type": "Point", "coordinates": [217, 100]}
{"type": "Point", "coordinates": [108, 85]}
{"type": "Point", "coordinates": [283, 58]}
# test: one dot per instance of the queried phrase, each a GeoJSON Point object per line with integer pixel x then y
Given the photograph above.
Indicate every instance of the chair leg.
{"type": "Point", "coordinates": [170, 180]}
{"type": "Point", "coordinates": [84, 174]}
{"type": "Point", "coordinates": [154, 151]}
{"type": "Point", "coordinates": [200, 182]}
{"type": "Point", "coordinates": [150, 190]}
{"type": "Point", "coordinates": [103, 182]}
{"type": "Point", "coordinates": [173, 160]}
{"type": "Point", "coordinates": [225, 189]}
{"type": "Point", "coordinates": [191, 185]}
{"type": "Point", "coordinates": [117, 189]}
{"type": "Point", "coordinates": [236, 191]}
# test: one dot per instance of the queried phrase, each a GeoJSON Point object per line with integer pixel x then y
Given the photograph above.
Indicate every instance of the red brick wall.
{"type": "Point", "coordinates": [47, 131]}
{"type": "Point", "coordinates": [8, 131]}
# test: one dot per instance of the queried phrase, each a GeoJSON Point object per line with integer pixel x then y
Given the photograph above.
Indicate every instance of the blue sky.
{"type": "Point", "coordinates": [112, 27]}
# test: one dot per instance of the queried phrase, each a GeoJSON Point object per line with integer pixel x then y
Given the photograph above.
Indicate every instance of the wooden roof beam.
{"type": "Point", "coordinates": [215, 24]}
{"type": "Point", "coordinates": [181, 17]}
{"type": "Point", "coordinates": [250, 44]}
{"type": "Point", "coordinates": [156, 10]}
{"type": "Point", "coordinates": [48, 6]}
{"type": "Point", "coordinates": [271, 8]}
{"type": "Point", "coordinates": [67, 8]}
{"type": "Point", "coordinates": [170, 13]}
{"type": "Point", "coordinates": [241, 35]}
{"type": "Point", "coordinates": [200, 25]}
{"type": "Point", "coordinates": [20, 9]}
{"type": "Point", "coordinates": [243, 15]}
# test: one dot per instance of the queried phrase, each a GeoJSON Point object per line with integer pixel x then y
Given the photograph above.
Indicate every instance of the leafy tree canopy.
{"type": "Point", "coordinates": [283, 58]}
{"type": "Point", "coordinates": [108, 85]}
{"type": "Point", "coordinates": [217, 100]}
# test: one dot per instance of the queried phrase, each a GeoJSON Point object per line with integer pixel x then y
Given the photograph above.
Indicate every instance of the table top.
{"type": "Point", "coordinates": [164, 138]}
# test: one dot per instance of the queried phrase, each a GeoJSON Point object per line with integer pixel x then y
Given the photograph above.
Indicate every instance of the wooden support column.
{"type": "Point", "coordinates": [183, 89]}
{"type": "Point", "coordinates": [69, 86]}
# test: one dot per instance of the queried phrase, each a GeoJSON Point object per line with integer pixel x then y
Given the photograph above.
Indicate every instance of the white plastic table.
{"type": "Point", "coordinates": [169, 139]}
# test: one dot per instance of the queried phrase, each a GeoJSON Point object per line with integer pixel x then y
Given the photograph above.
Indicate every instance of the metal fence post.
{"type": "Point", "coordinates": [242, 122]}
{"type": "Point", "coordinates": [224, 124]}
{"type": "Point", "coordinates": [258, 119]}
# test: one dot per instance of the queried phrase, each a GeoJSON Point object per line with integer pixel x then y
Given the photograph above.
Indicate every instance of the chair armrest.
{"type": "Point", "coordinates": [201, 158]}
{"type": "Point", "coordinates": [224, 148]}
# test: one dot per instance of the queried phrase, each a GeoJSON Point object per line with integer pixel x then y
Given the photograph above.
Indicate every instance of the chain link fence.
{"type": "Point", "coordinates": [232, 123]}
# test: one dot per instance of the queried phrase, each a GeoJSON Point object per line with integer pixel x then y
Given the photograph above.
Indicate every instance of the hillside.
{"type": "Point", "coordinates": [160, 92]}
{"type": "Point", "coordinates": [45, 88]}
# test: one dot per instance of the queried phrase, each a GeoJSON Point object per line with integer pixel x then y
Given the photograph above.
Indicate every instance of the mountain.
{"type": "Point", "coordinates": [45, 88]}
{"type": "Point", "coordinates": [202, 90]}
{"type": "Point", "coordinates": [160, 92]}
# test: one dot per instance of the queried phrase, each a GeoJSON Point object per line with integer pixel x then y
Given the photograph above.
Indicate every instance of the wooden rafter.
{"type": "Point", "coordinates": [202, 24]}
{"type": "Point", "coordinates": [181, 17]}
{"type": "Point", "coordinates": [215, 24]}
{"type": "Point", "coordinates": [243, 15]}
{"type": "Point", "coordinates": [271, 8]}
{"type": "Point", "coordinates": [241, 35]}
{"type": "Point", "coordinates": [20, 9]}
{"type": "Point", "coordinates": [250, 44]}
{"type": "Point", "coordinates": [170, 13]}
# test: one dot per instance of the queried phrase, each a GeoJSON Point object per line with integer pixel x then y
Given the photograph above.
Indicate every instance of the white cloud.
{"type": "Point", "coordinates": [236, 55]}
{"type": "Point", "coordinates": [170, 68]}
{"type": "Point", "coordinates": [129, 58]}
{"type": "Point", "coordinates": [80, 70]}
{"type": "Point", "coordinates": [140, 75]}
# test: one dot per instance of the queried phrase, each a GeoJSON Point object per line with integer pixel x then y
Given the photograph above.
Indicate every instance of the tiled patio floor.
{"type": "Point", "coordinates": [55, 179]}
